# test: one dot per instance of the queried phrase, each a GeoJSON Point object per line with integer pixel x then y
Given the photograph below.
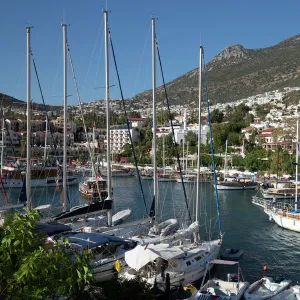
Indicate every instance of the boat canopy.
{"type": "Point", "coordinates": [141, 255]}
{"type": "Point", "coordinates": [92, 240]}
{"type": "Point", "coordinates": [223, 262]}
{"type": "Point", "coordinates": [52, 228]}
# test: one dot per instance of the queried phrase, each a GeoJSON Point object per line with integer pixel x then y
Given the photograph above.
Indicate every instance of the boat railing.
{"type": "Point", "coordinates": [279, 206]}
{"type": "Point", "coordinates": [260, 201]}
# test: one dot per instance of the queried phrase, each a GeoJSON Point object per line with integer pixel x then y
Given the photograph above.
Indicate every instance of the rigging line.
{"type": "Point", "coordinates": [93, 52]}
{"type": "Point", "coordinates": [84, 126]}
{"type": "Point", "coordinates": [173, 133]}
{"type": "Point", "coordinates": [46, 112]}
{"type": "Point", "coordinates": [58, 67]}
{"type": "Point", "coordinates": [99, 58]}
{"type": "Point", "coordinates": [10, 138]}
{"type": "Point", "coordinates": [128, 125]}
{"type": "Point", "coordinates": [140, 63]}
{"type": "Point", "coordinates": [212, 147]}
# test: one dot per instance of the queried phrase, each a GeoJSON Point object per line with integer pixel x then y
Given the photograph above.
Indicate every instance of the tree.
{"type": "Point", "coordinates": [191, 138]}
{"type": "Point", "coordinates": [216, 116]}
{"type": "Point", "coordinates": [134, 114]}
{"type": "Point", "coordinates": [29, 271]}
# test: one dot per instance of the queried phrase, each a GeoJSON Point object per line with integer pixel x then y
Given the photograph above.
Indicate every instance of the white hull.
{"type": "Point", "coordinates": [277, 197]}
{"type": "Point", "coordinates": [231, 188]}
{"type": "Point", "coordinates": [216, 287]}
{"type": "Point", "coordinates": [18, 183]}
{"type": "Point", "coordinates": [186, 180]}
{"type": "Point", "coordinates": [265, 288]}
{"type": "Point", "coordinates": [284, 221]}
{"type": "Point", "coordinates": [167, 180]}
{"type": "Point", "coordinates": [189, 273]}
{"type": "Point", "coordinates": [146, 177]}
{"type": "Point", "coordinates": [119, 174]}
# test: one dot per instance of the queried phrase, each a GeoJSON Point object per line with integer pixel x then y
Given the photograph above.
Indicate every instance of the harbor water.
{"type": "Point", "coordinates": [245, 226]}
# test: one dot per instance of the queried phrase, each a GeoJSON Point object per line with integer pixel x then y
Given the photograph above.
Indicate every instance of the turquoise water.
{"type": "Point", "coordinates": [245, 226]}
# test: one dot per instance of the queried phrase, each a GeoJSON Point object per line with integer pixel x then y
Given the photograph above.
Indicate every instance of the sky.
{"type": "Point", "coordinates": [180, 27]}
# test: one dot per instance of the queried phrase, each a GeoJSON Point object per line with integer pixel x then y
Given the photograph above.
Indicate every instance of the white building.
{"type": "Point", "coordinates": [181, 133]}
{"type": "Point", "coordinates": [119, 137]}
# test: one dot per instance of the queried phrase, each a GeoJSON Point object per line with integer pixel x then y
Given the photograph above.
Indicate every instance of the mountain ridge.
{"type": "Point", "coordinates": [236, 73]}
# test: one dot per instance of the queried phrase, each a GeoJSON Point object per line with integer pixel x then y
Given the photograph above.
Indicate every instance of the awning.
{"type": "Point", "coordinates": [141, 255]}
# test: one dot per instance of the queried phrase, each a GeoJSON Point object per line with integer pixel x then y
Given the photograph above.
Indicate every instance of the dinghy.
{"type": "Point", "coordinates": [230, 289]}
{"type": "Point", "coordinates": [232, 254]}
{"type": "Point", "coordinates": [292, 293]}
{"type": "Point", "coordinates": [266, 288]}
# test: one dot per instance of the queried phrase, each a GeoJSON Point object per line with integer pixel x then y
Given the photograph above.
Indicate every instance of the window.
{"type": "Point", "coordinates": [198, 257]}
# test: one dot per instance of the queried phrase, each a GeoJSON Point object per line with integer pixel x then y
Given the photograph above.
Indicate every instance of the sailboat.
{"type": "Point", "coordinates": [184, 262]}
{"type": "Point", "coordinates": [88, 217]}
{"type": "Point", "coordinates": [283, 215]}
{"type": "Point", "coordinates": [164, 176]}
{"type": "Point", "coordinates": [94, 208]}
{"type": "Point", "coordinates": [89, 187]}
{"type": "Point", "coordinates": [235, 183]}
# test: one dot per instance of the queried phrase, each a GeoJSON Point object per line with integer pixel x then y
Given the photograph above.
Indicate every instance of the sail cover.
{"type": "Point", "coordinates": [141, 255]}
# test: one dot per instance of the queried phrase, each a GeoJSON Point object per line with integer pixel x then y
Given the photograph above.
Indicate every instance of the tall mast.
{"type": "Point", "coordinates": [109, 185]}
{"type": "Point", "coordinates": [297, 154]}
{"type": "Point", "coordinates": [183, 161]}
{"type": "Point", "coordinates": [65, 119]}
{"type": "Point", "coordinates": [199, 136]}
{"type": "Point", "coordinates": [2, 148]}
{"type": "Point", "coordinates": [164, 158]}
{"type": "Point", "coordinates": [155, 183]}
{"type": "Point", "coordinates": [45, 150]}
{"type": "Point", "coordinates": [187, 153]}
{"type": "Point", "coordinates": [93, 153]}
{"type": "Point", "coordinates": [28, 148]}
{"type": "Point", "coordinates": [225, 162]}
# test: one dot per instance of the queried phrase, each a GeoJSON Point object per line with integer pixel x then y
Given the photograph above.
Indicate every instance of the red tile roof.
{"type": "Point", "coordinates": [136, 119]}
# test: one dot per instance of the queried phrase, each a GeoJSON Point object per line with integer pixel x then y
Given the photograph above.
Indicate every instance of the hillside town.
{"type": "Point", "coordinates": [275, 129]}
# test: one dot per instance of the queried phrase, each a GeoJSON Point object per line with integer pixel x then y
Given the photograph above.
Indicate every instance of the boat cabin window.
{"type": "Point", "coordinates": [198, 257]}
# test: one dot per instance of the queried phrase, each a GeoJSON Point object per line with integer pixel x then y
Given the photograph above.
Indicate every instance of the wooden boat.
{"type": "Point", "coordinates": [88, 189]}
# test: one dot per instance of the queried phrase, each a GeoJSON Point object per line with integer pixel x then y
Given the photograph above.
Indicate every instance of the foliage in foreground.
{"type": "Point", "coordinates": [133, 289]}
{"type": "Point", "coordinates": [29, 271]}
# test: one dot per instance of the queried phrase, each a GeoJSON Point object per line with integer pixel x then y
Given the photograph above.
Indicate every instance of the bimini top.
{"type": "Point", "coordinates": [141, 255]}
{"type": "Point", "coordinates": [52, 228]}
{"type": "Point", "coordinates": [91, 240]}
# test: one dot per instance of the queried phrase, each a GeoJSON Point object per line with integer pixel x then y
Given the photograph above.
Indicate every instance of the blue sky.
{"type": "Point", "coordinates": [180, 25]}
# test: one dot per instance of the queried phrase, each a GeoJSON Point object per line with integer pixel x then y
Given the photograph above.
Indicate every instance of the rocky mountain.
{"type": "Point", "coordinates": [236, 73]}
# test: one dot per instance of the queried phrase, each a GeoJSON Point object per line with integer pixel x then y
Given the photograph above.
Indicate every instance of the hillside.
{"type": "Point", "coordinates": [15, 104]}
{"type": "Point", "coordinates": [236, 73]}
